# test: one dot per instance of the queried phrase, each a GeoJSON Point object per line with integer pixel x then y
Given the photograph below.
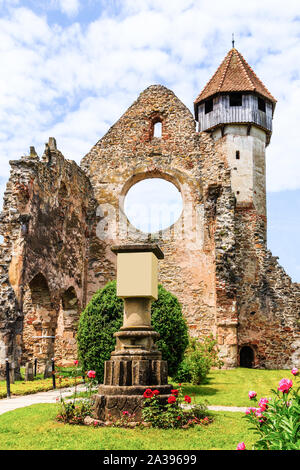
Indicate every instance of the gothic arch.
{"type": "Point", "coordinates": [40, 318]}
{"type": "Point", "coordinates": [68, 317]}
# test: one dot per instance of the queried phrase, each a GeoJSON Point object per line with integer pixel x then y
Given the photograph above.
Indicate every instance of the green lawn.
{"type": "Point", "coordinates": [35, 427]}
{"type": "Point", "coordinates": [231, 387]}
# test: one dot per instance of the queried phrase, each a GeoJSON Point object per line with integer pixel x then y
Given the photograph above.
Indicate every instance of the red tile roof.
{"type": "Point", "coordinates": [234, 74]}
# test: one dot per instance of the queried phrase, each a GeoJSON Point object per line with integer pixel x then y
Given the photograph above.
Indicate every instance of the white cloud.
{"type": "Point", "coordinates": [73, 82]}
{"type": "Point", "coordinates": [70, 7]}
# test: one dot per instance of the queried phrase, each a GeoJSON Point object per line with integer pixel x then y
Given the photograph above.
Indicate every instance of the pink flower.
{"type": "Point", "coordinates": [252, 395]}
{"type": "Point", "coordinates": [241, 446]}
{"type": "Point", "coordinates": [285, 385]}
{"type": "Point", "coordinates": [250, 410]}
{"type": "Point", "coordinates": [75, 363]}
{"type": "Point", "coordinates": [263, 404]}
{"type": "Point", "coordinates": [295, 371]}
{"type": "Point", "coordinates": [125, 413]}
{"type": "Point", "coordinates": [91, 374]}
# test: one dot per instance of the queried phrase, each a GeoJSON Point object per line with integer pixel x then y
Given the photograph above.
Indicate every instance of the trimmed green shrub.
{"type": "Point", "coordinates": [103, 316]}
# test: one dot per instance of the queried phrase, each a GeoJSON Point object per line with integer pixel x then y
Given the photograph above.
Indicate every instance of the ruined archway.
{"type": "Point", "coordinates": [69, 312]}
{"type": "Point", "coordinates": [247, 357]}
{"type": "Point", "coordinates": [40, 317]}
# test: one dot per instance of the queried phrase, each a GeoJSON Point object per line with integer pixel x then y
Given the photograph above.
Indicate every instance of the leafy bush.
{"type": "Point", "coordinates": [103, 316]}
{"type": "Point", "coordinates": [76, 410]}
{"type": "Point", "coordinates": [199, 357]}
{"type": "Point", "coordinates": [277, 420]}
{"type": "Point", "coordinates": [173, 414]}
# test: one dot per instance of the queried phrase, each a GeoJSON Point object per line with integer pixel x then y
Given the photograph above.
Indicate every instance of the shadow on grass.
{"type": "Point", "coordinates": [199, 390]}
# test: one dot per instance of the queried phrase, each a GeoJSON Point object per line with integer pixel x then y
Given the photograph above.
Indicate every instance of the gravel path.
{"type": "Point", "coordinates": [9, 404]}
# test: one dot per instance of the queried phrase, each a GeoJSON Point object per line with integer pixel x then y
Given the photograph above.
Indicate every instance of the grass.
{"type": "Point", "coordinates": [231, 387]}
{"type": "Point", "coordinates": [40, 431]}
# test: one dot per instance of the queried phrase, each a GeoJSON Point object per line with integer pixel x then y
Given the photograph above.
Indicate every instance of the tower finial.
{"type": "Point", "coordinates": [233, 41]}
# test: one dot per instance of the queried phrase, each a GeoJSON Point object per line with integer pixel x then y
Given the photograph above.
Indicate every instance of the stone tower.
{"type": "Point", "coordinates": [236, 106]}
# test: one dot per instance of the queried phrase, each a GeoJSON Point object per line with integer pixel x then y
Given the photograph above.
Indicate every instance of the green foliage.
{"type": "Point", "coordinates": [74, 412]}
{"type": "Point", "coordinates": [277, 421]}
{"type": "Point", "coordinates": [168, 321]}
{"type": "Point", "coordinates": [199, 357]}
{"type": "Point", "coordinates": [103, 316]}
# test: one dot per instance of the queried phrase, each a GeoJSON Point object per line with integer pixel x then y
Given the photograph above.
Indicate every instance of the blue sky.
{"type": "Point", "coordinates": [71, 68]}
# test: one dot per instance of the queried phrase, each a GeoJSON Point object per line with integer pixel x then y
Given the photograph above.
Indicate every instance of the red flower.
{"type": "Point", "coordinates": [75, 363]}
{"type": "Point", "coordinates": [171, 399]}
{"type": "Point", "coordinates": [148, 393]}
{"type": "Point", "coordinates": [91, 374]}
{"type": "Point", "coordinates": [174, 392]}
{"type": "Point", "coordinates": [155, 392]}
{"type": "Point", "coordinates": [187, 399]}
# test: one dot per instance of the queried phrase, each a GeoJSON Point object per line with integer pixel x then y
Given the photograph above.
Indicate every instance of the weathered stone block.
{"type": "Point", "coordinates": [29, 371]}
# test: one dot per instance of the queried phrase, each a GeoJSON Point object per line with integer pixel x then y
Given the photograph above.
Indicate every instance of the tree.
{"type": "Point", "coordinates": [103, 316]}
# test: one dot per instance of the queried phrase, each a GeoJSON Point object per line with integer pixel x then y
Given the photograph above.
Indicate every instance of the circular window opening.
{"type": "Point", "coordinates": [153, 204]}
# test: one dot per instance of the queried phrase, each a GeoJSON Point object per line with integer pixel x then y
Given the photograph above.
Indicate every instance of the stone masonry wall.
{"type": "Point", "coordinates": [47, 210]}
{"type": "Point", "coordinates": [129, 153]}
{"type": "Point", "coordinates": [59, 222]}
{"type": "Point", "coordinates": [268, 301]}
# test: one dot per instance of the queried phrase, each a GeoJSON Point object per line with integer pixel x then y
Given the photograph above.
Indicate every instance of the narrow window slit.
{"type": "Point", "coordinates": [157, 131]}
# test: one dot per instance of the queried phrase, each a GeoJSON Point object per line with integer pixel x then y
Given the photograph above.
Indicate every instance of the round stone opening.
{"type": "Point", "coordinates": [153, 205]}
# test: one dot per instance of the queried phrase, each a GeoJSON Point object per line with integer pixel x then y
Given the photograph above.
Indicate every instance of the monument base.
{"type": "Point", "coordinates": [111, 401]}
{"type": "Point", "coordinates": [126, 377]}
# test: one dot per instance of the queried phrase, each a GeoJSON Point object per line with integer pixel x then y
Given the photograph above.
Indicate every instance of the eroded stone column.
{"type": "Point", "coordinates": [136, 363]}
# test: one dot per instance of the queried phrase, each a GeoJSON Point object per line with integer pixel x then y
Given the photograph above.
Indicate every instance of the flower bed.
{"type": "Point", "coordinates": [276, 420]}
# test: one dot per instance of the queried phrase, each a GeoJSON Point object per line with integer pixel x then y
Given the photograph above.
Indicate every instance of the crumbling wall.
{"type": "Point", "coordinates": [129, 153]}
{"type": "Point", "coordinates": [268, 301]}
{"type": "Point", "coordinates": [48, 209]}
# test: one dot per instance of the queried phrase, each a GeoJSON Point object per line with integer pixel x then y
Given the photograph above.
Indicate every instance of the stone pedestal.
{"type": "Point", "coordinates": [136, 363]}
{"type": "Point", "coordinates": [134, 366]}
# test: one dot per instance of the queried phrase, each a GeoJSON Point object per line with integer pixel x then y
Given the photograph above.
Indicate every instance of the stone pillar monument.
{"type": "Point", "coordinates": [136, 363]}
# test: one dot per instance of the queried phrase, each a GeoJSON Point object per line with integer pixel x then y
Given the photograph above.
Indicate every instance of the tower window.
{"type": "Point", "coordinates": [157, 129]}
{"type": "Point", "coordinates": [261, 104]}
{"type": "Point", "coordinates": [209, 106]}
{"type": "Point", "coordinates": [237, 155]}
{"type": "Point", "coordinates": [236, 99]}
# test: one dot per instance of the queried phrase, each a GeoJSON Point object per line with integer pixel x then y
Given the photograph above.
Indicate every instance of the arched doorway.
{"type": "Point", "coordinates": [39, 321]}
{"type": "Point", "coordinates": [65, 345]}
{"type": "Point", "coordinates": [246, 357]}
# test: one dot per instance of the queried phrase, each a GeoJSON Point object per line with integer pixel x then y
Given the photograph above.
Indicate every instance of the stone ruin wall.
{"type": "Point", "coordinates": [129, 153]}
{"type": "Point", "coordinates": [259, 303]}
{"type": "Point", "coordinates": [268, 301]}
{"type": "Point", "coordinates": [59, 223]}
{"type": "Point", "coordinates": [48, 208]}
